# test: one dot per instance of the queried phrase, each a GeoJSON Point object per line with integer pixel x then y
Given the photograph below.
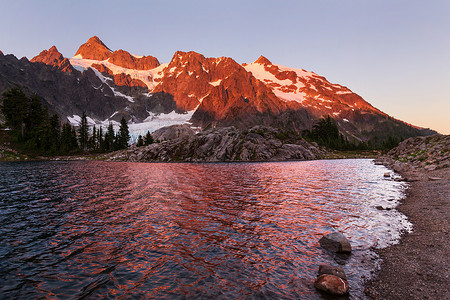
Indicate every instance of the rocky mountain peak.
{"type": "Point", "coordinates": [1, 53]}
{"type": "Point", "coordinates": [53, 49]}
{"type": "Point", "coordinates": [124, 59]}
{"type": "Point", "coordinates": [53, 57]}
{"type": "Point", "coordinates": [263, 61]}
{"type": "Point", "coordinates": [183, 58]}
{"type": "Point", "coordinates": [95, 49]}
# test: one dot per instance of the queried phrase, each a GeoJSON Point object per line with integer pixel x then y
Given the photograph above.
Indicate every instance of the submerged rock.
{"type": "Point", "coordinates": [336, 242]}
{"type": "Point", "coordinates": [332, 284]}
{"type": "Point", "coordinates": [330, 270]}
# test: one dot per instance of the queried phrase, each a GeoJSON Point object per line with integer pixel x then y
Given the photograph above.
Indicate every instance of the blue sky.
{"type": "Point", "coordinates": [394, 53]}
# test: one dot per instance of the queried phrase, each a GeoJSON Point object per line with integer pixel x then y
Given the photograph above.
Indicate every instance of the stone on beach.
{"type": "Point", "coordinates": [331, 284]}
{"type": "Point", "coordinates": [336, 242]}
{"type": "Point", "coordinates": [330, 270]}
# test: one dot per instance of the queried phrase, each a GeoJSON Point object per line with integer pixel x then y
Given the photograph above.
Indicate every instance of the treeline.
{"type": "Point", "coordinates": [147, 140]}
{"type": "Point", "coordinates": [98, 141]}
{"type": "Point", "coordinates": [36, 130]}
{"type": "Point", "coordinates": [326, 133]}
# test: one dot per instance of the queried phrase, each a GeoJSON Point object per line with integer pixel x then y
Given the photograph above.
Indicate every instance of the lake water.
{"type": "Point", "coordinates": [177, 231]}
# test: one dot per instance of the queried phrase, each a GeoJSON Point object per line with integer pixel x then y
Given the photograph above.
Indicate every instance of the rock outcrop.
{"type": "Point", "coordinates": [432, 152]}
{"type": "Point", "coordinates": [181, 143]}
{"type": "Point", "coordinates": [415, 155]}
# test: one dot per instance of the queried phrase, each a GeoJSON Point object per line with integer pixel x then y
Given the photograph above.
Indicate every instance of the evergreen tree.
{"type": "Point", "coordinates": [109, 138]}
{"type": "Point", "coordinates": [35, 116]}
{"type": "Point", "coordinates": [44, 139]}
{"type": "Point", "coordinates": [325, 132]}
{"type": "Point", "coordinates": [148, 139]}
{"type": "Point", "coordinates": [83, 133]}
{"type": "Point", "coordinates": [73, 138]}
{"type": "Point", "coordinates": [15, 109]}
{"type": "Point", "coordinates": [66, 139]}
{"type": "Point", "coordinates": [123, 135]}
{"type": "Point", "coordinates": [55, 134]}
{"type": "Point", "coordinates": [140, 141]}
{"type": "Point", "coordinates": [93, 139]}
{"type": "Point", "coordinates": [101, 143]}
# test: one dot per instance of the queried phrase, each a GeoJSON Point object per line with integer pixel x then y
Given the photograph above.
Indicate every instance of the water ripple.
{"type": "Point", "coordinates": [137, 230]}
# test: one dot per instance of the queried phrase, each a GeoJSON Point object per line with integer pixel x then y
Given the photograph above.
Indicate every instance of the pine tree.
{"type": "Point", "coordinates": [83, 133]}
{"type": "Point", "coordinates": [55, 133]}
{"type": "Point", "coordinates": [66, 139]}
{"type": "Point", "coordinates": [123, 135]}
{"type": "Point", "coordinates": [15, 109]}
{"type": "Point", "coordinates": [73, 139]}
{"type": "Point", "coordinates": [101, 143]}
{"type": "Point", "coordinates": [148, 139]}
{"type": "Point", "coordinates": [109, 138]}
{"type": "Point", "coordinates": [140, 141]}
{"type": "Point", "coordinates": [93, 139]}
{"type": "Point", "coordinates": [35, 116]}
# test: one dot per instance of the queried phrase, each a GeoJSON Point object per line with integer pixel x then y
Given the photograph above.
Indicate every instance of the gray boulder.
{"type": "Point", "coordinates": [336, 242]}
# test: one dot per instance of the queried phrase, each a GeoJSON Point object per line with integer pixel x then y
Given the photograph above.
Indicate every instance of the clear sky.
{"type": "Point", "coordinates": [394, 53]}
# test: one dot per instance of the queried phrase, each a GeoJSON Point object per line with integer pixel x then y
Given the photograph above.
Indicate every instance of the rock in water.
{"type": "Point", "coordinates": [331, 284]}
{"type": "Point", "coordinates": [336, 242]}
{"type": "Point", "coordinates": [387, 174]}
{"type": "Point", "coordinates": [330, 270]}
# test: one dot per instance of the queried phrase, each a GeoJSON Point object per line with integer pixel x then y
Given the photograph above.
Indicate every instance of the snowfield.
{"type": "Point", "coordinates": [151, 123]}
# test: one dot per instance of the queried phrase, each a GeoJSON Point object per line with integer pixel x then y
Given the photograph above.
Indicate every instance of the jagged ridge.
{"type": "Point", "coordinates": [218, 92]}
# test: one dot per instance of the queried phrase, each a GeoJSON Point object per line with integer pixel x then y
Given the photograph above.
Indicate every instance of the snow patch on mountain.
{"type": "Point", "coordinates": [216, 83]}
{"type": "Point", "coordinates": [284, 89]}
{"type": "Point", "coordinates": [299, 72]}
{"type": "Point", "coordinates": [116, 93]}
{"type": "Point", "coordinates": [260, 73]}
{"type": "Point", "coordinates": [304, 86]}
{"type": "Point", "coordinates": [75, 120]}
{"type": "Point", "coordinates": [151, 123]}
{"type": "Point", "coordinates": [146, 76]}
{"type": "Point", "coordinates": [154, 122]}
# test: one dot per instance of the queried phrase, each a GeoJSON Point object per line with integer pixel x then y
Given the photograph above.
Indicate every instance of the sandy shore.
{"type": "Point", "coordinates": [418, 267]}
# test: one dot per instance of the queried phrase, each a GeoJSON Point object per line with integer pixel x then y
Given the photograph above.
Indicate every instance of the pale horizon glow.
{"type": "Point", "coordinates": [395, 54]}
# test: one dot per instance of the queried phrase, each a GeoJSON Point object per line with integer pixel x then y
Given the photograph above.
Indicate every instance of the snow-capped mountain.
{"type": "Point", "coordinates": [109, 85]}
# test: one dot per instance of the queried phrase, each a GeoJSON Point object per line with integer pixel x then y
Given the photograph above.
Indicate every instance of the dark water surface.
{"type": "Point", "coordinates": [171, 231]}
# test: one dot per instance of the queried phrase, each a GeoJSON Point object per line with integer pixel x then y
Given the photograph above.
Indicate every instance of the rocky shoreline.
{"type": "Point", "coordinates": [418, 267]}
